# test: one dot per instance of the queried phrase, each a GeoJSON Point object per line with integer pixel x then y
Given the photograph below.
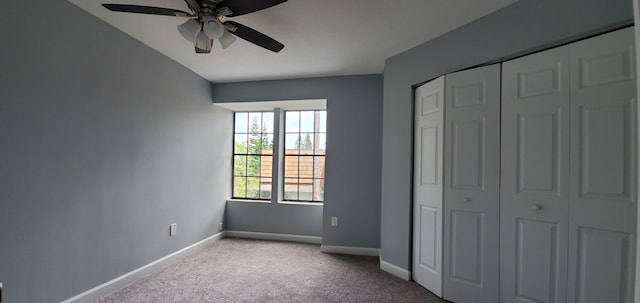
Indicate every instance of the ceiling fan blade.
{"type": "Point", "coordinates": [149, 10]}
{"type": "Point", "coordinates": [241, 7]}
{"type": "Point", "coordinates": [253, 36]}
{"type": "Point", "coordinates": [193, 5]}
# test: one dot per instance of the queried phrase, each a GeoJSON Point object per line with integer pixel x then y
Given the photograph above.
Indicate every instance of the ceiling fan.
{"type": "Point", "coordinates": [207, 21]}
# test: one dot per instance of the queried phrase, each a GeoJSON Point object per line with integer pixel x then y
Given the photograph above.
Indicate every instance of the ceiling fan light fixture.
{"type": "Point", "coordinates": [189, 29]}
{"type": "Point", "coordinates": [226, 39]}
{"type": "Point", "coordinates": [213, 28]}
{"type": "Point", "coordinates": [203, 43]}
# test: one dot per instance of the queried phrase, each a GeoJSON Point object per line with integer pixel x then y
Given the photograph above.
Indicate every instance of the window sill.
{"type": "Point", "coordinates": [279, 202]}
{"type": "Point", "coordinates": [249, 201]}
{"type": "Point", "coordinates": [302, 203]}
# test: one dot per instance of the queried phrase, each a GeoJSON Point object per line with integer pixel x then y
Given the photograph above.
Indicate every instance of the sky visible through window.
{"type": "Point", "coordinates": [304, 123]}
{"type": "Point", "coordinates": [293, 123]}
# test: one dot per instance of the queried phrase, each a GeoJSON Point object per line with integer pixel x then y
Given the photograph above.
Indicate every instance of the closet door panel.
{"type": "Point", "coordinates": [467, 159]}
{"type": "Point", "coordinates": [536, 240]}
{"type": "Point", "coordinates": [466, 250]}
{"type": "Point", "coordinates": [471, 191]}
{"type": "Point", "coordinates": [604, 270]}
{"type": "Point", "coordinates": [603, 150]}
{"type": "Point", "coordinates": [428, 185]}
{"type": "Point", "coordinates": [534, 189]}
{"type": "Point", "coordinates": [537, 147]}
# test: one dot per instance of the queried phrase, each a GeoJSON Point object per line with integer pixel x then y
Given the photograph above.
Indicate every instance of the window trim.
{"type": "Point", "coordinates": [260, 106]}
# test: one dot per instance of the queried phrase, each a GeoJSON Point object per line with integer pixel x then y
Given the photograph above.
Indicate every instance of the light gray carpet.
{"type": "Point", "coordinates": [241, 270]}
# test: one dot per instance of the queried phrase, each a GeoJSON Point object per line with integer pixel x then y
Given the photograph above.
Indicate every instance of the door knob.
{"type": "Point", "coordinates": [466, 200]}
{"type": "Point", "coordinates": [536, 206]}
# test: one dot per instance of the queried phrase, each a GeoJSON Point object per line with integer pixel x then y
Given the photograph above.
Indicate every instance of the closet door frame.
{"type": "Point", "coordinates": [636, 17]}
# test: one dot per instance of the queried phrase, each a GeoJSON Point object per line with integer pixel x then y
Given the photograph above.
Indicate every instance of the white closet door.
{"type": "Point", "coordinates": [472, 186]}
{"type": "Point", "coordinates": [427, 187]}
{"type": "Point", "coordinates": [534, 178]}
{"type": "Point", "coordinates": [603, 158]}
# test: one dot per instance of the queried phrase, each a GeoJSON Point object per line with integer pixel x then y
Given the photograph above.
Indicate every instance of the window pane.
{"type": "Point", "coordinates": [290, 166]}
{"type": "Point", "coordinates": [239, 165]}
{"type": "Point", "coordinates": [253, 166]}
{"type": "Point", "coordinates": [307, 121]}
{"type": "Point", "coordinates": [306, 145]}
{"type": "Point", "coordinates": [240, 143]}
{"type": "Point", "coordinates": [321, 144]}
{"type": "Point", "coordinates": [255, 144]}
{"type": "Point", "coordinates": [322, 121]}
{"type": "Point", "coordinates": [305, 169]}
{"type": "Point", "coordinates": [239, 187]}
{"type": "Point", "coordinates": [266, 182]}
{"type": "Point", "coordinates": [318, 190]}
{"type": "Point", "coordinates": [318, 167]}
{"type": "Point", "coordinates": [242, 123]}
{"type": "Point", "coordinates": [266, 163]}
{"type": "Point", "coordinates": [290, 189]}
{"type": "Point", "coordinates": [253, 187]}
{"type": "Point", "coordinates": [267, 144]}
{"type": "Point", "coordinates": [292, 143]}
{"type": "Point", "coordinates": [292, 122]}
{"type": "Point", "coordinates": [255, 121]}
{"type": "Point", "coordinates": [265, 188]}
{"type": "Point", "coordinates": [267, 123]}
{"type": "Point", "coordinates": [305, 189]}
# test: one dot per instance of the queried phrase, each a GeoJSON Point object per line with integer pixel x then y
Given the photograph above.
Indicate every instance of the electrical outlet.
{"type": "Point", "coordinates": [334, 221]}
{"type": "Point", "coordinates": [173, 229]}
{"type": "Point", "coordinates": [220, 226]}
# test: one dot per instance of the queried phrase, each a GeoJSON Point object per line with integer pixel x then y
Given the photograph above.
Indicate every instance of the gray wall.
{"type": "Point", "coordinates": [104, 143]}
{"type": "Point", "coordinates": [292, 219]}
{"type": "Point", "coordinates": [354, 127]}
{"type": "Point", "coordinates": [523, 27]}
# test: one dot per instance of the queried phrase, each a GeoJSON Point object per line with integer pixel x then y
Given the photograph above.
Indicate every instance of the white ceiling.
{"type": "Point", "coordinates": [321, 38]}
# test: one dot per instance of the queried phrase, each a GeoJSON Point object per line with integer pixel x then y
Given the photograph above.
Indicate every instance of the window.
{"type": "Point", "coordinates": [293, 141]}
{"type": "Point", "coordinates": [252, 155]}
{"type": "Point", "coordinates": [304, 155]}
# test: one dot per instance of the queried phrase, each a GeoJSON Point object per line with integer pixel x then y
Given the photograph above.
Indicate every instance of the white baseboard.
{"type": "Point", "coordinates": [132, 276]}
{"type": "Point", "coordinates": [271, 236]}
{"type": "Point", "coordinates": [395, 270]}
{"type": "Point", "coordinates": [350, 250]}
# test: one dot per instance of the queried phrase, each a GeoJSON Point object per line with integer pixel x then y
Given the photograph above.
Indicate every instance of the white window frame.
{"type": "Point", "coordinates": [278, 108]}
